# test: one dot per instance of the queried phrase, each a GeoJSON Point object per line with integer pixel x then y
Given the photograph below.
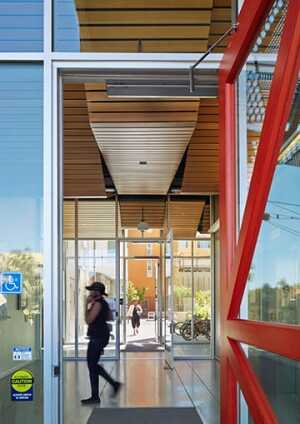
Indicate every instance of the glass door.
{"type": "Point", "coordinates": [96, 261]}
{"type": "Point", "coordinates": [169, 301]}
{"type": "Point", "coordinates": [141, 287]}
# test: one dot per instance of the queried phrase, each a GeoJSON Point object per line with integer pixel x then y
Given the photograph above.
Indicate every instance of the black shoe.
{"type": "Point", "coordinates": [116, 388]}
{"type": "Point", "coordinates": [90, 401]}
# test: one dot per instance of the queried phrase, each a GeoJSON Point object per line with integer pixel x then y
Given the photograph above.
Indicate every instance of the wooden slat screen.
{"type": "Point", "coordinates": [202, 164]}
{"type": "Point", "coordinates": [184, 217]}
{"type": "Point", "coordinates": [153, 211]}
{"type": "Point", "coordinates": [83, 175]}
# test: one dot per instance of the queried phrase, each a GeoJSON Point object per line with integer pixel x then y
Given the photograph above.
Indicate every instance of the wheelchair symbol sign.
{"type": "Point", "coordinates": [11, 282]}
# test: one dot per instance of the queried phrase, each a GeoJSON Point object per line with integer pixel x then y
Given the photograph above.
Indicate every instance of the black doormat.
{"type": "Point", "coordinates": [144, 416]}
{"type": "Point", "coordinates": [143, 345]}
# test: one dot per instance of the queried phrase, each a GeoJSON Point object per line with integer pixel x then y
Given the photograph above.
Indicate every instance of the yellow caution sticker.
{"type": "Point", "coordinates": [21, 383]}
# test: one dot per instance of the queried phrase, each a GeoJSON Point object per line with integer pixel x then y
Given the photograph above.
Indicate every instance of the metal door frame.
{"type": "Point", "coordinates": [56, 67]}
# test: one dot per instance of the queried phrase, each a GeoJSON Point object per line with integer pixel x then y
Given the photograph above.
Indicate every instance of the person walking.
{"type": "Point", "coordinates": [97, 313]}
{"type": "Point", "coordinates": [134, 313]}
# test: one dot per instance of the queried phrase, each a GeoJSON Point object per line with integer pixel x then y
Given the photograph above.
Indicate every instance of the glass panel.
{"type": "Point", "coordinates": [96, 262]}
{"type": "Point", "coordinates": [202, 247]}
{"type": "Point", "coordinates": [183, 304]}
{"type": "Point", "coordinates": [21, 25]}
{"type": "Point", "coordinates": [202, 305]}
{"type": "Point", "coordinates": [182, 248]}
{"type": "Point", "coordinates": [280, 379]}
{"type": "Point", "coordinates": [152, 233]}
{"type": "Point", "coordinates": [21, 212]}
{"type": "Point", "coordinates": [254, 85]}
{"type": "Point", "coordinates": [69, 295]}
{"type": "Point", "coordinates": [138, 27]}
{"type": "Point", "coordinates": [273, 285]}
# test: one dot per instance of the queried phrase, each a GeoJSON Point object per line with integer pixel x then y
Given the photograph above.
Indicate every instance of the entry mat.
{"type": "Point", "coordinates": [144, 416]}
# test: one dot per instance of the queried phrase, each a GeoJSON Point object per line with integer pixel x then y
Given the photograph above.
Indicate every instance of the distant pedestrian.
{"type": "Point", "coordinates": [134, 313]}
{"type": "Point", "coordinates": [97, 313]}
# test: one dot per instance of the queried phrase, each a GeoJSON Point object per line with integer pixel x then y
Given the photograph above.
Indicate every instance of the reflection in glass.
{"type": "Point", "coordinates": [138, 26]}
{"type": "Point", "coordinates": [21, 25]}
{"type": "Point", "coordinates": [254, 86]}
{"type": "Point", "coordinates": [273, 289]}
{"type": "Point", "coordinates": [280, 379]}
{"type": "Point", "coordinates": [21, 209]}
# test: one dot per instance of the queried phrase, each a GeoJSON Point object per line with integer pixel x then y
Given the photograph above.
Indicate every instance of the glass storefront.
{"type": "Point", "coordinates": [271, 294]}
{"type": "Point", "coordinates": [21, 234]}
{"type": "Point", "coordinates": [87, 259]}
{"type": "Point", "coordinates": [192, 304]}
{"type": "Point", "coordinates": [273, 283]}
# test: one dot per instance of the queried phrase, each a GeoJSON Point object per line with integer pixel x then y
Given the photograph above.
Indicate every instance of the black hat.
{"type": "Point", "coordinates": [97, 286]}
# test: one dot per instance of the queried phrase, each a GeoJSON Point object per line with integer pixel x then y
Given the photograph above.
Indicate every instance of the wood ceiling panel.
{"type": "Point", "coordinates": [220, 23]}
{"type": "Point", "coordinates": [153, 212]}
{"type": "Point", "coordinates": [96, 219]}
{"type": "Point", "coordinates": [130, 133]}
{"type": "Point", "coordinates": [69, 220]}
{"type": "Point", "coordinates": [150, 26]}
{"type": "Point", "coordinates": [184, 217]}
{"type": "Point", "coordinates": [201, 174]}
{"type": "Point", "coordinates": [83, 175]}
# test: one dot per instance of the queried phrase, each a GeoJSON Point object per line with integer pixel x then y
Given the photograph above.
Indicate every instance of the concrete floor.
{"type": "Point", "coordinates": [147, 383]}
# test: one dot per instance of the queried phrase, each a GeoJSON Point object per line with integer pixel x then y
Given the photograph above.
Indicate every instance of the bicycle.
{"type": "Point", "coordinates": [201, 328]}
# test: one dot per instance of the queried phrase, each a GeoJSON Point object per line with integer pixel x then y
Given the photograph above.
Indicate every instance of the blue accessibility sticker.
{"type": "Point", "coordinates": [11, 282]}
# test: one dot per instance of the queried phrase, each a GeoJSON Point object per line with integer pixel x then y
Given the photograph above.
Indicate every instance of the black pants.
{"type": "Point", "coordinates": [95, 350]}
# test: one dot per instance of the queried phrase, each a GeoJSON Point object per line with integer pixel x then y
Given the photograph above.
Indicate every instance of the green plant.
{"type": "Point", "coordinates": [132, 293]}
{"type": "Point", "coordinates": [135, 293]}
{"type": "Point", "coordinates": [203, 304]}
{"type": "Point", "coordinates": [141, 293]}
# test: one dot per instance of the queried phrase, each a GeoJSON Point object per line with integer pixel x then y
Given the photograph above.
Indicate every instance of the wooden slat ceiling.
{"type": "Point", "coordinates": [202, 163]}
{"type": "Point", "coordinates": [130, 133]}
{"type": "Point", "coordinates": [151, 25]}
{"type": "Point", "coordinates": [96, 219]}
{"type": "Point", "coordinates": [83, 174]}
{"type": "Point", "coordinates": [153, 212]}
{"type": "Point", "coordinates": [69, 220]}
{"type": "Point", "coordinates": [184, 217]}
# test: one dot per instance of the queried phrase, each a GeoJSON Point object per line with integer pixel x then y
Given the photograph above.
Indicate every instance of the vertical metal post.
{"type": "Point", "coordinates": [193, 291]}
{"type": "Point", "coordinates": [212, 280]}
{"type": "Point", "coordinates": [117, 278]}
{"type": "Point", "coordinates": [76, 280]}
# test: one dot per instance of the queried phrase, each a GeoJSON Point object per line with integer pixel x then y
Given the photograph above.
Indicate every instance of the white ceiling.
{"type": "Point", "coordinates": [160, 144]}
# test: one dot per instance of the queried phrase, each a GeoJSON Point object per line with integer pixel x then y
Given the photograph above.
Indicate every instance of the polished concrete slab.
{"type": "Point", "coordinates": [147, 383]}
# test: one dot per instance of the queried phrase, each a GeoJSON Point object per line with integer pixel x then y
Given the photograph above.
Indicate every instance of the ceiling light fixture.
{"type": "Point", "coordinates": [143, 226]}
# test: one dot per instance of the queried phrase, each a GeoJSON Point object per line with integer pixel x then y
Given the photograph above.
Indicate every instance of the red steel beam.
{"type": "Point", "coordinates": [260, 409]}
{"type": "Point", "coordinates": [281, 339]}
